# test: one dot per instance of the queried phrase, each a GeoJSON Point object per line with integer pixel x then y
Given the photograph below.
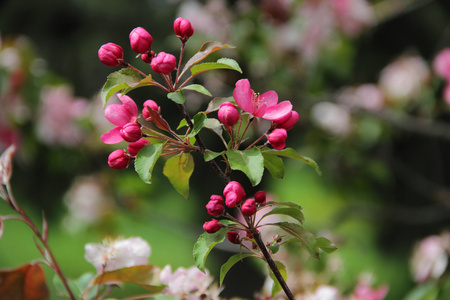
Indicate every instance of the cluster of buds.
{"type": "Point", "coordinates": [141, 42]}
{"type": "Point", "coordinates": [233, 196]}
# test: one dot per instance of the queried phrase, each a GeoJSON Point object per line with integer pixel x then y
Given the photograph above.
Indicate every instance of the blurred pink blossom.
{"type": "Point", "coordinates": [189, 284]}
{"type": "Point", "coordinates": [333, 118]}
{"type": "Point", "coordinates": [323, 292]}
{"type": "Point", "coordinates": [441, 64]}
{"type": "Point", "coordinates": [58, 116]}
{"type": "Point", "coordinates": [117, 253]}
{"type": "Point", "coordinates": [430, 258]}
{"type": "Point", "coordinates": [366, 96]}
{"type": "Point", "coordinates": [364, 291]}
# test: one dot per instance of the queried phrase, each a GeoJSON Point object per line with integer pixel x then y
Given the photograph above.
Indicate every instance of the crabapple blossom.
{"type": "Point", "coordinates": [366, 292]}
{"type": "Point", "coordinates": [134, 147]}
{"type": "Point", "coordinates": [153, 105]}
{"type": "Point", "coordinates": [234, 193]}
{"type": "Point", "coordinates": [119, 115]}
{"type": "Point", "coordinates": [163, 63]}
{"type": "Point", "coordinates": [118, 159]}
{"type": "Point", "coordinates": [248, 208]}
{"type": "Point", "coordinates": [118, 253]}
{"type": "Point", "coordinates": [233, 237]}
{"type": "Point", "coordinates": [215, 206]}
{"type": "Point", "coordinates": [260, 197]}
{"type": "Point", "coordinates": [441, 63]}
{"type": "Point", "coordinates": [146, 58]}
{"type": "Point", "coordinates": [333, 118]}
{"type": "Point", "coordinates": [264, 106]}
{"type": "Point", "coordinates": [228, 114]}
{"type": "Point", "coordinates": [140, 40]}
{"type": "Point", "coordinates": [212, 226]}
{"type": "Point", "coordinates": [290, 122]}
{"type": "Point", "coordinates": [277, 138]}
{"type": "Point", "coordinates": [183, 29]}
{"type": "Point", "coordinates": [111, 54]}
{"type": "Point", "coordinates": [131, 132]}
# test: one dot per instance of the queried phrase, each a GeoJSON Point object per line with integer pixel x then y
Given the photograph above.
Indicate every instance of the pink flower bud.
{"type": "Point", "coordinates": [118, 159]}
{"type": "Point", "coordinates": [228, 114]}
{"type": "Point", "coordinates": [215, 206]}
{"type": "Point", "coordinates": [233, 237]}
{"type": "Point", "coordinates": [234, 193]}
{"type": "Point", "coordinates": [152, 104]}
{"type": "Point", "coordinates": [134, 147]}
{"type": "Point", "coordinates": [248, 208]}
{"type": "Point", "coordinates": [146, 58]}
{"type": "Point", "coordinates": [278, 138]}
{"type": "Point", "coordinates": [163, 63]}
{"type": "Point", "coordinates": [260, 197]}
{"type": "Point", "coordinates": [183, 29]}
{"type": "Point", "coordinates": [212, 226]}
{"type": "Point", "coordinates": [290, 122]}
{"type": "Point", "coordinates": [140, 40]}
{"type": "Point", "coordinates": [131, 132]}
{"type": "Point", "coordinates": [111, 54]}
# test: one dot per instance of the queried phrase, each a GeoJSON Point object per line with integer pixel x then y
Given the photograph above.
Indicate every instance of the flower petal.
{"type": "Point", "coordinates": [117, 114]}
{"type": "Point", "coordinates": [270, 98]}
{"type": "Point", "coordinates": [278, 112]}
{"type": "Point", "coordinates": [243, 95]}
{"type": "Point", "coordinates": [112, 137]}
{"type": "Point", "coordinates": [260, 111]}
{"type": "Point", "coordinates": [129, 105]}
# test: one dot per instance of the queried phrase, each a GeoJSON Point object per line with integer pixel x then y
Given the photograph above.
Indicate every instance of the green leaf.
{"type": "Point", "coordinates": [177, 97]}
{"type": "Point", "coordinates": [146, 160]}
{"type": "Point", "coordinates": [250, 161]}
{"type": "Point", "coordinates": [199, 122]}
{"type": "Point", "coordinates": [147, 276]}
{"type": "Point", "coordinates": [274, 248]}
{"type": "Point", "coordinates": [215, 103]}
{"type": "Point", "coordinates": [276, 288]}
{"type": "Point", "coordinates": [222, 63]}
{"type": "Point", "coordinates": [291, 153]}
{"type": "Point", "coordinates": [230, 263]}
{"type": "Point", "coordinates": [183, 123]}
{"type": "Point", "coordinates": [210, 155]}
{"type": "Point", "coordinates": [275, 165]}
{"type": "Point", "coordinates": [287, 211]}
{"type": "Point", "coordinates": [198, 88]}
{"type": "Point", "coordinates": [206, 243]}
{"type": "Point", "coordinates": [214, 125]}
{"type": "Point", "coordinates": [77, 286]}
{"type": "Point", "coordinates": [205, 50]}
{"type": "Point", "coordinates": [326, 245]}
{"type": "Point", "coordinates": [123, 80]}
{"type": "Point", "coordinates": [178, 170]}
{"type": "Point", "coordinates": [306, 238]}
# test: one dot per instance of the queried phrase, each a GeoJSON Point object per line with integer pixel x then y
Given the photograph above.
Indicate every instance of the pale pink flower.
{"type": "Point", "coordinates": [264, 106]}
{"type": "Point", "coordinates": [324, 292]}
{"type": "Point", "coordinates": [429, 259]}
{"type": "Point", "coordinates": [441, 63]}
{"type": "Point", "coordinates": [353, 15]}
{"type": "Point", "coordinates": [364, 291]}
{"type": "Point", "coordinates": [333, 118]}
{"type": "Point", "coordinates": [119, 115]}
{"type": "Point", "coordinates": [366, 96]}
{"type": "Point", "coordinates": [188, 283]}
{"type": "Point", "coordinates": [118, 253]}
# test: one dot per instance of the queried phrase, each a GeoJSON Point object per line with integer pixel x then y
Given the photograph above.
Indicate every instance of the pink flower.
{"type": "Point", "coordinates": [278, 138]}
{"type": "Point", "coordinates": [248, 208]}
{"type": "Point", "coordinates": [140, 40]}
{"type": "Point", "coordinates": [134, 148]}
{"type": "Point", "coordinates": [441, 63]}
{"type": "Point", "coordinates": [228, 114]}
{"type": "Point", "coordinates": [183, 29]}
{"type": "Point", "coordinates": [117, 254]}
{"type": "Point", "coordinates": [260, 197]}
{"type": "Point", "coordinates": [234, 194]}
{"type": "Point", "coordinates": [233, 237]}
{"type": "Point", "coordinates": [153, 105]}
{"type": "Point", "coordinates": [264, 106]}
{"type": "Point", "coordinates": [364, 292]}
{"type": "Point", "coordinates": [163, 63]}
{"type": "Point", "coordinates": [118, 159]}
{"type": "Point", "coordinates": [188, 283]}
{"type": "Point", "coordinates": [119, 115]}
{"type": "Point", "coordinates": [290, 122]}
{"type": "Point", "coordinates": [215, 206]}
{"type": "Point", "coordinates": [131, 132]}
{"type": "Point", "coordinates": [212, 226]}
{"type": "Point", "coordinates": [111, 54]}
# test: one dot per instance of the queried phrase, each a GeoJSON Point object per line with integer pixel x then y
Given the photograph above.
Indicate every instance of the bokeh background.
{"type": "Point", "coordinates": [373, 114]}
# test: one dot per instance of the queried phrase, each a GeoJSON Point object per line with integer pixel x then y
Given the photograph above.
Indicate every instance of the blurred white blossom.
{"type": "Point", "coordinates": [365, 96]}
{"type": "Point", "coordinates": [117, 253]}
{"type": "Point", "coordinates": [333, 118]}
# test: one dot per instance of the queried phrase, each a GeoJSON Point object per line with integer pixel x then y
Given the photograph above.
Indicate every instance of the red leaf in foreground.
{"type": "Point", "coordinates": [24, 283]}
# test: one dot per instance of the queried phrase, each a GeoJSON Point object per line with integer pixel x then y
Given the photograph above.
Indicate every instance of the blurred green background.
{"type": "Point", "coordinates": [385, 163]}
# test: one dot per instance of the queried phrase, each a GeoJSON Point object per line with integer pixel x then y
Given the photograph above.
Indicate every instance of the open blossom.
{"type": "Point", "coordinates": [264, 106]}
{"type": "Point", "coordinates": [188, 283]}
{"type": "Point", "coordinates": [119, 115]}
{"type": "Point", "coordinates": [119, 253]}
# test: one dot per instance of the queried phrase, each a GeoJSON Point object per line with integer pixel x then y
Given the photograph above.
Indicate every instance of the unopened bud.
{"type": "Point", "coordinates": [215, 206]}
{"type": "Point", "coordinates": [131, 132]}
{"type": "Point", "coordinates": [290, 122]}
{"type": "Point", "coordinates": [153, 105]}
{"type": "Point", "coordinates": [234, 193]}
{"type": "Point", "coordinates": [228, 114]}
{"type": "Point", "coordinates": [212, 226]}
{"type": "Point", "coordinates": [134, 147]}
{"type": "Point", "coordinates": [140, 40]}
{"type": "Point", "coordinates": [260, 197]}
{"type": "Point", "coordinates": [248, 208]}
{"type": "Point", "coordinates": [163, 63]}
{"type": "Point", "coordinates": [233, 237]}
{"type": "Point", "coordinates": [118, 159]}
{"type": "Point", "coordinates": [278, 138]}
{"type": "Point", "coordinates": [111, 54]}
{"type": "Point", "coordinates": [183, 29]}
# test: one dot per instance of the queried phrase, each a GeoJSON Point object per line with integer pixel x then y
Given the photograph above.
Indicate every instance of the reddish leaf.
{"type": "Point", "coordinates": [24, 283]}
{"type": "Point", "coordinates": [158, 120]}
